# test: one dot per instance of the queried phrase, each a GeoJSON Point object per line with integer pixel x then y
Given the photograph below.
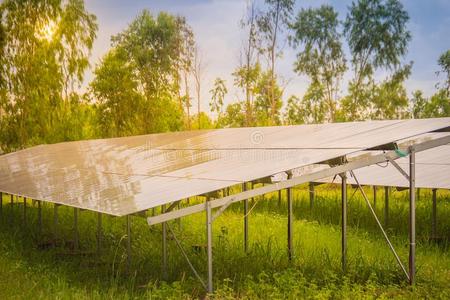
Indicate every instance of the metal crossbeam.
{"type": "Point", "coordinates": [363, 162]}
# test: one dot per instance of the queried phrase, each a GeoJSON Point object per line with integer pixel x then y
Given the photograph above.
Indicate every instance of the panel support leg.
{"type": "Point", "coordinates": [412, 216]}
{"type": "Point", "coordinates": [244, 188]}
{"type": "Point", "coordinates": [344, 221]}
{"type": "Point", "coordinates": [374, 197]}
{"type": "Point", "coordinates": [433, 215]}
{"type": "Point", "coordinates": [279, 198]}
{"type": "Point", "coordinates": [209, 246]}
{"type": "Point", "coordinates": [12, 208]}
{"type": "Point", "coordinates": [290, 232]}
{"type": "Point", "coordinates": [75, 229]}
{"type": "Point", "coordinates": [40, 217]}
{"type": "Point", "coordinates": [55, 222]}
{"type": "Point", "coordinates": [311, 195]}
{"type": "Point", "coordinates": [25, 211]}
{"type": "Point", "coordinates": [99, 233]}
{"type": "Point", "coordinates": [386, 206]}
{"type": "Point", "coordinates": [129, 243]}
{"type": "Point", "coordinates": [164, 246]}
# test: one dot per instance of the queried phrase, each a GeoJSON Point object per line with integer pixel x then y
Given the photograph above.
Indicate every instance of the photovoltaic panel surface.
{"type": "Point", "coordinates": [121, 176]}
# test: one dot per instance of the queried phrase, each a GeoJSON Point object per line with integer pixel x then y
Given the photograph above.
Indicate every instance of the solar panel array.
{"type": "Point", "coordinates": [121, 176]}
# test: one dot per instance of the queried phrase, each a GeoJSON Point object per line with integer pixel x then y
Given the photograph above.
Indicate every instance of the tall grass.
{"type": "Point", "coordinates": [29, 270]}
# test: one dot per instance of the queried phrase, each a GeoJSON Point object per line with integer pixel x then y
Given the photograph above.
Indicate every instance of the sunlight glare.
{"type": "Point", "coordinates": [47, 31]}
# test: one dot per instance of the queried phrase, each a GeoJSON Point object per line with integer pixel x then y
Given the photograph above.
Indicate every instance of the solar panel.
{"type": "Point", "coordinates": [121, 176]}
{"type": "Point", "coordinates": [432, 171]}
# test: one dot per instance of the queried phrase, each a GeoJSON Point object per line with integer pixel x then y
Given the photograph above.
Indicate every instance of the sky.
{"type": "Point", "coordinates": [216, 27]}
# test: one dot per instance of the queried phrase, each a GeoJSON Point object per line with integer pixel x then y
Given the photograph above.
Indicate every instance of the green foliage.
{"type": "Point", "coordinates": [436, 106]}
{"type": "Point", "coordinates": [377, 34]}
{"type": "Point", "coordinates": [321, 57]}
{"type": "Point", "coordinates": [234, 115]}
{"type": "Point", "coordinates": [265, 100]}
{"type": "Point", "coordinates": [444, 63]}
{"type": "Point", "coordinates": [439, 104]}
{"type": "Point", "coordinates": [137, 83]}
{"type": "Point", "coordinates": [246, 78]}
{"type": "Point", "coordinates": [44, 47]}
{"type": "Point", "coordinates": [268, 100]}
{"type": "Point", "coordinates": [115, 90]}
{"type": "Point", "coordinates": [261, 273]}
{"type": "Point", "coordinates": [389, 99]}
{"type": "Point", "coordinates": [310, 109]}
{"type": "Point", "coordinates": [378, 38]}
{"type": "Point", "coordinates": [270, 25]}
{"type": "Point", "coordinates": [218, 93]}
{"type": "Point", "coordinates": [205, 122]}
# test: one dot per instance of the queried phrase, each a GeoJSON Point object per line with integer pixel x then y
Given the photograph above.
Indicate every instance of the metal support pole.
{"type": "Point", "coordinates": [386, 206]}
{"type": "Point", "coordinates": [344, 220]}
{"type": "Point", "coordinates": [75, 228]}
{"type": "Point", "coordinates": [433, 216]}
{"type": "Point", "coordinates": [244, 188]}
{"type": "Point", "coordinates": [129, 243]}
{"type": "Point", "coordinates": [164, 246]}
{"type": "Point", "coordinates": [1, 204]}
{"type": "Point", "coordinates": [374, 197]}
{"type": "Point", "coordinates": [39, 217]}
{"type": "Point", "coordinates": [311, 195]}
{"type": "Point", "coordinates": [412, 215]}
{"type": "Point", "coordinates": [55, 222]}
{"type": "Point", "coordinates": [290, 223]}
{"type": "Point", "coordinates": [99, 233]}
{"type": "Point", "coordinates": [12, 207]}
{"type": "Point", "coordinates": [209, 247]}
{"type": "Point", "coordinates": [24, 210]}
{"type": "Point", "coordinates": [279, 198]}
{"type": "Point", "coordinates": [179, 219]}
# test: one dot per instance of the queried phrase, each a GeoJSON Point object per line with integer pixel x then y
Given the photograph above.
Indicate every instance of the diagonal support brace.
{"type": "Point", "coordinates": [381, 227]}
{"type": "Point", "coordinates": [400, 169]}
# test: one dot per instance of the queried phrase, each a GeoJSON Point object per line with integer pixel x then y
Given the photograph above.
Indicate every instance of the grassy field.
{"type": "Point", "coordinates": [29, 270]}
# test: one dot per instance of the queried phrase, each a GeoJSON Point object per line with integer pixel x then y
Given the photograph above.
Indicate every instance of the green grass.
{"type": "Point", "coordinates": [28, 271]}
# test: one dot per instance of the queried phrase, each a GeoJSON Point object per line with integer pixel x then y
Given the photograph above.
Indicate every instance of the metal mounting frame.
{"type": "Point", "coordinates": [338, 169]}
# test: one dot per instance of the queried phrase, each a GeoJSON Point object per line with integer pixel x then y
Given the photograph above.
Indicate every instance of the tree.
{"type": "Point", "coordinates": [378, 38]}
{"type": "Point", "coordinates": [44, 53]}
{"type": "Point", "coordinates": [419, 104]}
{"type": "Point", "coordinates": [321, 56]}
{"type": "Point", "coordinates": [439, 104]}
{"type": "Point", "coordinates": [267, 92]}
{"type": "Point", "coordinates": [218, 93]}
{"type": "Point", "coordinates": [147, 56]}
{"type": "Point", "coordinates": [389, 99]}
{"type": "Point", "coordinates": [187, 51]}
{"type": "Point", "coordinates": [270, 24]}
{"type": "Point", "coordinates": [248, 69]}
{"type": "Point", "coordinates": [311, 109]}
{"type": "Point", "coordinates": [444, 63]}
{"type": "Point", "coordinates": [198, 72]}
{"type": "Point", "coordinates": [115, 88]}
{"type": "Point", "coordinates": [205, 122]}
{"type": "Point", "coordinates": [435, 107]}
{"type": "Point", "coordinates": [234, 115]}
